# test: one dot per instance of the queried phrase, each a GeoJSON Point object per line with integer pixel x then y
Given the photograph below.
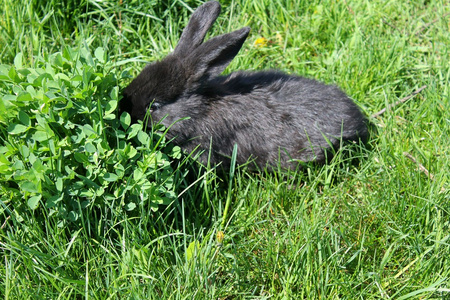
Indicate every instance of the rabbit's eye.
{"type": "Point", "coordinates": [153, 106]}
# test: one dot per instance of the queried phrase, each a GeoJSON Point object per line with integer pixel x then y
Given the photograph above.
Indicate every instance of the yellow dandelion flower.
{"type": "Point", "coordinates": [219, 236]}
{"type": "Point", "coordinates": [260, 42]}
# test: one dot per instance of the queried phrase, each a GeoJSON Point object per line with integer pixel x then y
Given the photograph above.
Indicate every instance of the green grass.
{"type": "Point", "coordinates": [93, 208]}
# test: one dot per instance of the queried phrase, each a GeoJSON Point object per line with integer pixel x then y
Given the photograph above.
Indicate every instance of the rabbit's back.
{"type": "Point", "coordinates": [272, 117]}
{"type": "Point", "coordinates": [299, 103]}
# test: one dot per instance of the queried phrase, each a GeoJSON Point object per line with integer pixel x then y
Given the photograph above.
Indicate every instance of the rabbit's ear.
{"type": "Point", "coordinates": [199, 24]}
{"type": "Point", "coordinates": [213, 56]}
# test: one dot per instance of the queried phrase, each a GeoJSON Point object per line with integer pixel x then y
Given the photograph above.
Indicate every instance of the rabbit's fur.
{"type": "Point", "coordinates": [274, 118]}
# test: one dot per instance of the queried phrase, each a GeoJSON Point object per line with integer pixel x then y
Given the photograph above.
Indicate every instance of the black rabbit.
{"type": "Point", "coordinates": [274, 118]}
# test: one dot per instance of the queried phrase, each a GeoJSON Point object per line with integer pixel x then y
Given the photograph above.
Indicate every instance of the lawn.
{"type": "Point", "coordinates": [92, 206]}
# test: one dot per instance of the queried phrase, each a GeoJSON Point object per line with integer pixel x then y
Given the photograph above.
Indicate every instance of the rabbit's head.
{"type": "Point", "coordinates": [182, 72]}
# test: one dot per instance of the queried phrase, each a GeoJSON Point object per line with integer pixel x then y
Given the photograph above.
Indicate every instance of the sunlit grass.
{"type": "Point", "coordinates": [375, 227]}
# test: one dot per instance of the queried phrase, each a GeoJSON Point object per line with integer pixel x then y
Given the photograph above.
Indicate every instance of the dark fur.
{"type": "Point", "coordinates": [272, 117]}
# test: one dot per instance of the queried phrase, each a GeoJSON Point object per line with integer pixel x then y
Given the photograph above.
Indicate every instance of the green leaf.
{"type": "Point", "coordinates": [18, 165]}
{"type": "Point", "coordinates": [51, 145]}
{"type": "Point", "coordinates": [130, 206]}
{"type": "Point", "coordinates": [59, 184]}
{"type": "Point", "coordinates": [176, 152]}
{"type": "Point", "coordinates": [137, 174]}
{"type": "Point", "coordinates": [31, 90]}
{"type": "Point", "coordinates": [89, 131]}
{"type": "Point", "coordinates": [100, 55]}
{"type": "Point", "coordinates": [23, 117]}
{"type": "Point", "coordinates": [73, 216]}
{"type": "Point", "coordinates": [24, 97]}
{"type": "Point", "coordinates": [3, 116]}
{"type": "Point", "coordinates": [86, 193]}
{"type": "Point", "coordinates": [132, 153]}
{"type": "Point", "coordinates": [109, 117]}
{"type": "Point", "coordinates": [81, 157]}
{"type": "Point", "coordinates": [18, 60]}
{"type": "Point", "coordinates": [143, 138]}
{"type": "Point", "coordinates": [17, 128]}
{"type": "Point", "coordinates": [33, 202]}
{"type": "Point", "coordinates": [110, 106]}
{"type": "Point", "coordinates": [133, 130]}
{"type": "Point", "coordinates": [114, 94]}
{"type": "Point", "coordinates": [61, 76]}
{"type": "Point", "coordinates": [5, 166]}
{"type": "Point", "coordinates": [192, 249]}
{"type": "Point", "coordinates": [40, 80]}
{"type": "Point", "coordinates": [120, 170]}
{"type": "Point", "coordinates": [25, 151]}
{"type": "Point", "coordinates": [40, 136]}
{"type": "Point", "coordinates": [53, 200]}
{"type": "Point", "coordinates": [125, 120]}
{"type": "Point", "coordinates": [90, 148]}
{"type": "Point", "coordinates": [28, 186]}
{"type": "Point", "coordinates": [111, 177]}
{"type": "Point", "coordinates": [12, 74]}
{"type": "Point", "coordinates": [4, 72]}
{"type": "Point", "coordinates": [166, 200]}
